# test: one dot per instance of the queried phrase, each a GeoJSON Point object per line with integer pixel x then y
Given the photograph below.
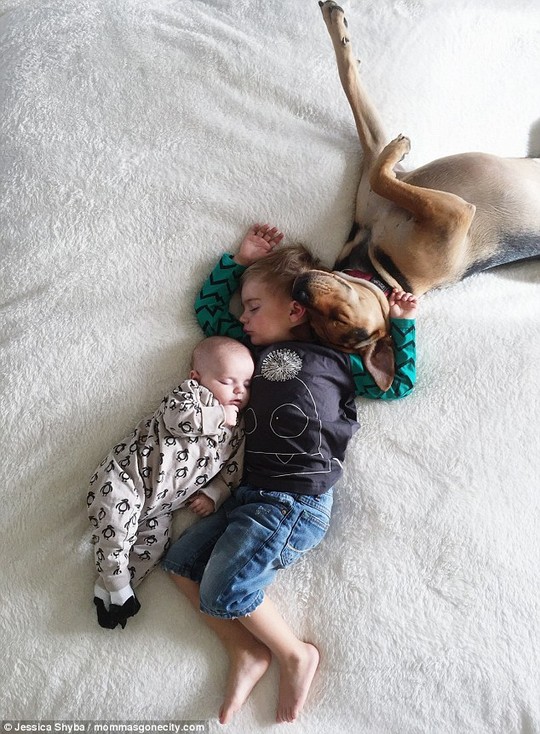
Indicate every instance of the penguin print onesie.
{"type": "Point", "coordinates": [170, 455]}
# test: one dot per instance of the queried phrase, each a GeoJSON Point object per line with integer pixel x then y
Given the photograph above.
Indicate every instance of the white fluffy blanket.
{"type": "Point", "coordinates": [139, 139]}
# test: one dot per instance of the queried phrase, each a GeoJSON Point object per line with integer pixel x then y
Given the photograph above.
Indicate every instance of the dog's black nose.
{"type": "Point", "coordinates": [300, 290]}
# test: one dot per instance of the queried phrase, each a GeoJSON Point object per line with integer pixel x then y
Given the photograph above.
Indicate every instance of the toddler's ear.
{"type": "Point", "coordinates": [194, 375]}
{"type": "Point", "coordinates": [298, 313]}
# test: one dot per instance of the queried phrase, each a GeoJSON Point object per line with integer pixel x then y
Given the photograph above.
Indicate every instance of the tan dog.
{"type": "Point", "coordinates": [413, 231]}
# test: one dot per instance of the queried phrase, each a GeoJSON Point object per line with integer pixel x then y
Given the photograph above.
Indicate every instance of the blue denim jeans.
{"type": "Point", "coordinates": [235, 553]}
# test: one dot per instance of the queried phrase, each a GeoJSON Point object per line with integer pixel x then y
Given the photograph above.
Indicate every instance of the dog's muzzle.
{"type": "Point", "coordinates": [300, 291]}
{"type": "Point", "coordinates": [314, 280]}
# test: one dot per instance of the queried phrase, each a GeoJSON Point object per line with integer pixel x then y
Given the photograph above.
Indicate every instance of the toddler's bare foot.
{"type": "Point", "coordinates": [295, 682]}
{"type": "Point", "coordinates": [247, 666]}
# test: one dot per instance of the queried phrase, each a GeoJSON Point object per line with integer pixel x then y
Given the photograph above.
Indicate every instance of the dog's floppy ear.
{"type": "Point", "coordinates": [379, 361]}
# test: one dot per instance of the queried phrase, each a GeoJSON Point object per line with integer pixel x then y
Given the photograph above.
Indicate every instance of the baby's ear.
{"type": "Point", "coordinates": [194, 375]}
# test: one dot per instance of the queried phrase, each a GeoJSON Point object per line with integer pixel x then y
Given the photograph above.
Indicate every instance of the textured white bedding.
{"type": "Point", "coordinates": [138, 141]}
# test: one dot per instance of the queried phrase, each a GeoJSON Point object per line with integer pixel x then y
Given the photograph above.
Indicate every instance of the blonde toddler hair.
{"type": "Point", "coordinates": [280, 269]}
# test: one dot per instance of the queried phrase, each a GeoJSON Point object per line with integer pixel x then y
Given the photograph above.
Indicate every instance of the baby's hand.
{"type": "Point", "coordinates": [402, 305]}
{"type": "Point", "coordinates": [202, 505]}
{"type": "Point", "coordinates": [259, 241]}
{"type": "Point", "coordinates": [231, 414]}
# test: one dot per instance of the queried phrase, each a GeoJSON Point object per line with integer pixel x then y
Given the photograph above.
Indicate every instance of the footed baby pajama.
{"type": "Point", "coordinates": [170, 456]}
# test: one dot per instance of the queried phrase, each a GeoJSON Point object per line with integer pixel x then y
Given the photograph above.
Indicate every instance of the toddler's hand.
{"type": "Point", "coordinates": [259, 241]}
{"type": "Point", "coordinates": [231, 414]}
{"type": "Point", "coordinates": [202, 505]}
{"type": "Point", "coordinates": [402, 305]}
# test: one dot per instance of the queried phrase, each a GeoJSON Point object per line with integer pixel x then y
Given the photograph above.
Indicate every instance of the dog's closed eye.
{"type": "Point", "coordinates": [338, 317]}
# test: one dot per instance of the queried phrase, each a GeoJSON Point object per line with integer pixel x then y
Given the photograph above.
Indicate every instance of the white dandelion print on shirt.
{"type": "Point", "coordinates": [281, 365]}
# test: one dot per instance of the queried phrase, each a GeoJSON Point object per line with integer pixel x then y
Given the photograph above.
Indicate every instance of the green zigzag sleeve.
{"type": "Point", "coordinates": [403, 335]}
{"type": "Point", "coordinates": [212, 302]}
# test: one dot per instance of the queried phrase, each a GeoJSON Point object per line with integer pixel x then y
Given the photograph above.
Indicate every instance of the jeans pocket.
{"type": "Point", "coordinates": [306, 533]}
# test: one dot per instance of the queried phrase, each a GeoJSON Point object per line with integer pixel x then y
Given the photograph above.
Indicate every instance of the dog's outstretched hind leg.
{"type": "Point", "coordinates": [370, 129]}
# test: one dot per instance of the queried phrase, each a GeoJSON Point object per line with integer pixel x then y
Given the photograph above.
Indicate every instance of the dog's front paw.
{"type": "Point", "coordinates": [399, 147]}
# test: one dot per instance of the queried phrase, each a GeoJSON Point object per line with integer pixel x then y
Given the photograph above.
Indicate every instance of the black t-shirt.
{"type": "Point", "coordinates": [300, 418]}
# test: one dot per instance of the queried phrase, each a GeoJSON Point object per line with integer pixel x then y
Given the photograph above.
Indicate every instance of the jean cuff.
{"type": "Point", "coordinates": [234, 615]}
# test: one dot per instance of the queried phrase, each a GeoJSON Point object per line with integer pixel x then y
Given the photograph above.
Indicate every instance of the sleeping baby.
{"type": "Point", "coordinates": [188, 453]}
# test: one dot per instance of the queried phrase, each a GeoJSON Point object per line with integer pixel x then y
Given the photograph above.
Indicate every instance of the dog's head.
{"type": "Point", "coordinates": [350, 315]}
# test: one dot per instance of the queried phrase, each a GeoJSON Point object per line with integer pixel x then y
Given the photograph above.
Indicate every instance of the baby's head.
{"type": "Point", "coordinates": [225, 367]}
{"type": "Point", "coordinates": [269, 312]}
